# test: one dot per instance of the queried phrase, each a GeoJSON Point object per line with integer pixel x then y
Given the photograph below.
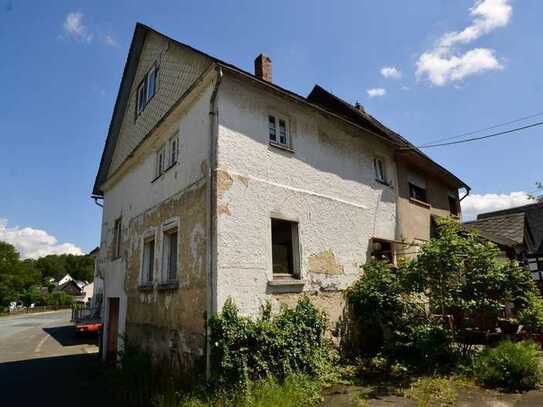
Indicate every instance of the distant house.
{"type": "Point", "coordinates": [98, 282]}
{"type": "Point", "coordinates": [64, 280]}
{"type": "Point", "coordinates": [518, 231]}
{"type": "Point", "coordinates": [81, 290]}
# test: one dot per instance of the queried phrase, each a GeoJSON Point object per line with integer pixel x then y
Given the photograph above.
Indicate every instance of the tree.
{"type": "Point", "coordinates": [538, 196]}
{"type": "Point", "coordinates": [16, 276]}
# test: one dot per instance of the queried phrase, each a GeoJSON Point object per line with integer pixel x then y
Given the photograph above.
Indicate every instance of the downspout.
{"type": "Point", "coordinates": [468, 189]}
{"type": "Point", "coordinates": [211, 205]}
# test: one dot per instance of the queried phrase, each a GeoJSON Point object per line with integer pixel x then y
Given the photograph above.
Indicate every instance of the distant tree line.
{"type": "Point", "coordinates": [29, 280]}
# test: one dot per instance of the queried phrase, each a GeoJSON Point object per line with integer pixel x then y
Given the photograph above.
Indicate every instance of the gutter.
{"type": "Point", "coordinates": [468, 190]}
{"type": "Point", "coordinates": [211, 210]}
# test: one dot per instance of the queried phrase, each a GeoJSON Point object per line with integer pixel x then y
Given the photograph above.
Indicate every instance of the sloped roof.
{"type": "Point", "coordinates": [318, 99]}
{"type": "Point", "coordinates": [509, 226]}
{"type": "Point", "coordinates": [534, 221]}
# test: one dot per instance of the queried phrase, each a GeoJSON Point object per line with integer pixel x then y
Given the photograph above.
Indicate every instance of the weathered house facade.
{"type": "Point", "coordinates": [217, 183]}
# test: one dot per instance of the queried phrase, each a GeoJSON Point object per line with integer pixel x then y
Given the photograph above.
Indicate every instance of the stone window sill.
{"type": "Point", "coordinates": [281, 147]}
{"type": "Point", "coordinates": [145, 287]}
{"type": "Point", "coordinates": [174, 285]}
{"type": "Point", "coordinates": [420, 203]}
{"type": "Point", "coordinates": [385, 183]}
{"type": "Point", "coordinates": [286, 285]}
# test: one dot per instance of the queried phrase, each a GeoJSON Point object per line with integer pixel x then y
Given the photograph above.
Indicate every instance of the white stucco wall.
{"type": "Point", "coordinates": [327, 185]}
{"type": "Point", "coordinates": [134, 193]}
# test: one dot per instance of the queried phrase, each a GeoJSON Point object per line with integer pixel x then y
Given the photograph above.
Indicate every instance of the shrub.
{"type": "Point", "coordinates": [59, 299]}
{"type": "Point", "coordinates": [290, 342]}
{"type": "Point", "coordinates": [432, 391]}
{"type": "Point", "coordinates": [532, 316]}
{"type": "Point", "coordinates": [510, 365]}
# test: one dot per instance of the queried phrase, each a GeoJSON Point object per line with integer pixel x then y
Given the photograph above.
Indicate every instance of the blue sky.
{"type": "Point", "coordinates": [457, 66]}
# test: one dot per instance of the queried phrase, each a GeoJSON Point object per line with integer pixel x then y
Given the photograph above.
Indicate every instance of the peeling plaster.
{"type": "Point", "coordinates": [325, 262]}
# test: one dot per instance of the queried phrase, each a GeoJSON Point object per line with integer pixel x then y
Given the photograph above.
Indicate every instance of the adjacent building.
{"type": "Point", "coordinates": [218, 183]}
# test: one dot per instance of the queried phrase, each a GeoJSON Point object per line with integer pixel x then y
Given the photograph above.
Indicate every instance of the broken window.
{"type": "Point", "coordinates": [382, 250]}
{"type": "Point", "coordinates": [117, 238]}
{"type": "Point", "coordinates": [148, 260]}
{"type": "Point", "coordinates": [284, 247]}
{"type": "Point", "coordinates": [169, 259]}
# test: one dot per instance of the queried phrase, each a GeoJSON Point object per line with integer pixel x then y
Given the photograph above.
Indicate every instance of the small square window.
{"type": "Point", "coordinates": [117, 230]}
{"type": "Point", "coordinates": [380, 170]}
{"type": "Point", "coordinates": [169, 258]}
{"type": "Point", "coordinates": [417, 192]}
{"type": "Point", "coordinates": [148, 260]}
{"type": "Point", "coordinates": [382, 250]}
{"type": "Point", "coordinates": [284, 247]}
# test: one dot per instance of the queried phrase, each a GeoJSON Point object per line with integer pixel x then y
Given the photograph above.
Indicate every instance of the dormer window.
{"type": "Point", "coordinates": [146, 89]}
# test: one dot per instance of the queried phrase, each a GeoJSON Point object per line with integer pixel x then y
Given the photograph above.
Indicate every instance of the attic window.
{"type": "Point", "coordinates": [417, 188]}
{"type": "Point", "coordinates": [278, 130]}
{"type": "Point", "coordinates": [146, 89]}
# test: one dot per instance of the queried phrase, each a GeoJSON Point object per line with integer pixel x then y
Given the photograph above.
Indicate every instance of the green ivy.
{"type": "Point", "coordinates": [245, 349]}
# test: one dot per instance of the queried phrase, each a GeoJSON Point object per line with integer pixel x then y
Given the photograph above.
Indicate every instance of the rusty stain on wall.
{"type": "Point", "coordinates": [325, 263]}
{"type": "Point", "coordinates": [224, 182]}
{"type": "Point", "coordinates": [224, 209]}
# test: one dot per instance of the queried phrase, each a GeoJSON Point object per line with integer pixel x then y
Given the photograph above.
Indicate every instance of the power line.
{"type": "Point", "coordinates": [475, 138]}
{"type": "Point", "coordinates": [520, 119]}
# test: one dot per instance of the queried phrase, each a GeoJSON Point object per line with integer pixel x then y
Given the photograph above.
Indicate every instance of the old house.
{"type": "Point", "coordinates": [518, 231]}
{"type": "Point", "coordinates": [218, 183]}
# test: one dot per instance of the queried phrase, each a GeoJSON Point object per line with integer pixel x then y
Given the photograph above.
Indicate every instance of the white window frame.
{"type": "Point", "coordinates": [141, 99]}
{"type": "Point", "coordinates": [277, 119]}
{"type": "Point", "coordinates": [169, 228]}
{"type": "Point", "coordinates": [144, 274]}
{"type": "Point", "coordinates": [160, 161]}
{"type": "Point", "coordinates": [173, 150]}
{"type": "Point", "coordinates": [151, 74]}
{"type": "Point", "coordinates": [380, 171]}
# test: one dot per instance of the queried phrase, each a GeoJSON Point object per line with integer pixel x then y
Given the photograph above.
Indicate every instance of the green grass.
{"type": "Point", "coordinates": [432, 391]}
{"type": "Point", "coordinates": [294, 391]}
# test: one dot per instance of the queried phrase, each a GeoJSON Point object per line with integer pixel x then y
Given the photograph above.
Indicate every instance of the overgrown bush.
{"type": "Point", "coordinates": [531, 317]}
{"type": "Point", "coordinates": [244, 349]}
{"type": "Point", "coordinates": [59, 299]}
{"type": "Point", "coordinates": [383, 299]}
{"type": "Point", "coordinates": [510, 366]}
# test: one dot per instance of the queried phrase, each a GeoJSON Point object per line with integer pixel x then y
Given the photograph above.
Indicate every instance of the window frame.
{"type": "Point", "coordinates": [295, 249]}
{"type": "Point", "coordinates": [380, 176]}
{"type": "Point", "coordinates": [151, 272]}
{"type": "Point", "coordinates": [169, 229]}
{"type": "Point", "coordinates": [392, 259]}
{"type": "Point", "coordinates": [117, 238]}
{"type": "Point", "coordinates": [143, 100]}
{"type": "Point", "coordinates": [160, 161]}
{"type": "Point", "coordinates": [454, 204]}
{"type": "Point", "coordinates": [173, 159]}
{"type": "Point", "coordinates": [413, 187]}
{"type": "Point", "coordinates": [278, 118]}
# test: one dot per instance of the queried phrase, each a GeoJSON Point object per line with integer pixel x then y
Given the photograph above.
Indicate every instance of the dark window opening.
{"type": "Point", "coordinates": [417, 193]}
{"type": "Point", "coordinates": [434, 228]}
{"type": "Point", "coordinates": [453, 205]}
{"type": "Point", "coordinates": [284, 247]}
{"type": "Point", "coordinates": [170, 254]}
{"type": "Point", "coordinates": [117, 238]}
{"type": "Point", "coordinates": [382, 250]}
{"type": "Point", "coordinates": [148, 260]}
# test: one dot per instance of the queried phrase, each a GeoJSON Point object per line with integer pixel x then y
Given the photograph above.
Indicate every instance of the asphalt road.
{"type": "Point", "coordinates": [43, 362]}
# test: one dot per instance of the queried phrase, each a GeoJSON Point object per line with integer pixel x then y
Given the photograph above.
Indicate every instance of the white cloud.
{"type": "Point", "coordinates": [482, 203]}
{"type": "Point", "coordinates": [34, 243]}
{"type": "Point", "coordinates": [444, 64]}
{"type": "Point", "coordinates": [74, 27]}
{"type": "Point", "coordinates": [391, 72]}
{"type": "Point", "coordinates": [109, 40]}
{"type": "Point", "coordinates": [376, 92]}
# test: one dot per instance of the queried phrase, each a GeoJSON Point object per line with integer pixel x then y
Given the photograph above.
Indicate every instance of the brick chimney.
{"type": "Point", "coordinates": [263, 68]}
